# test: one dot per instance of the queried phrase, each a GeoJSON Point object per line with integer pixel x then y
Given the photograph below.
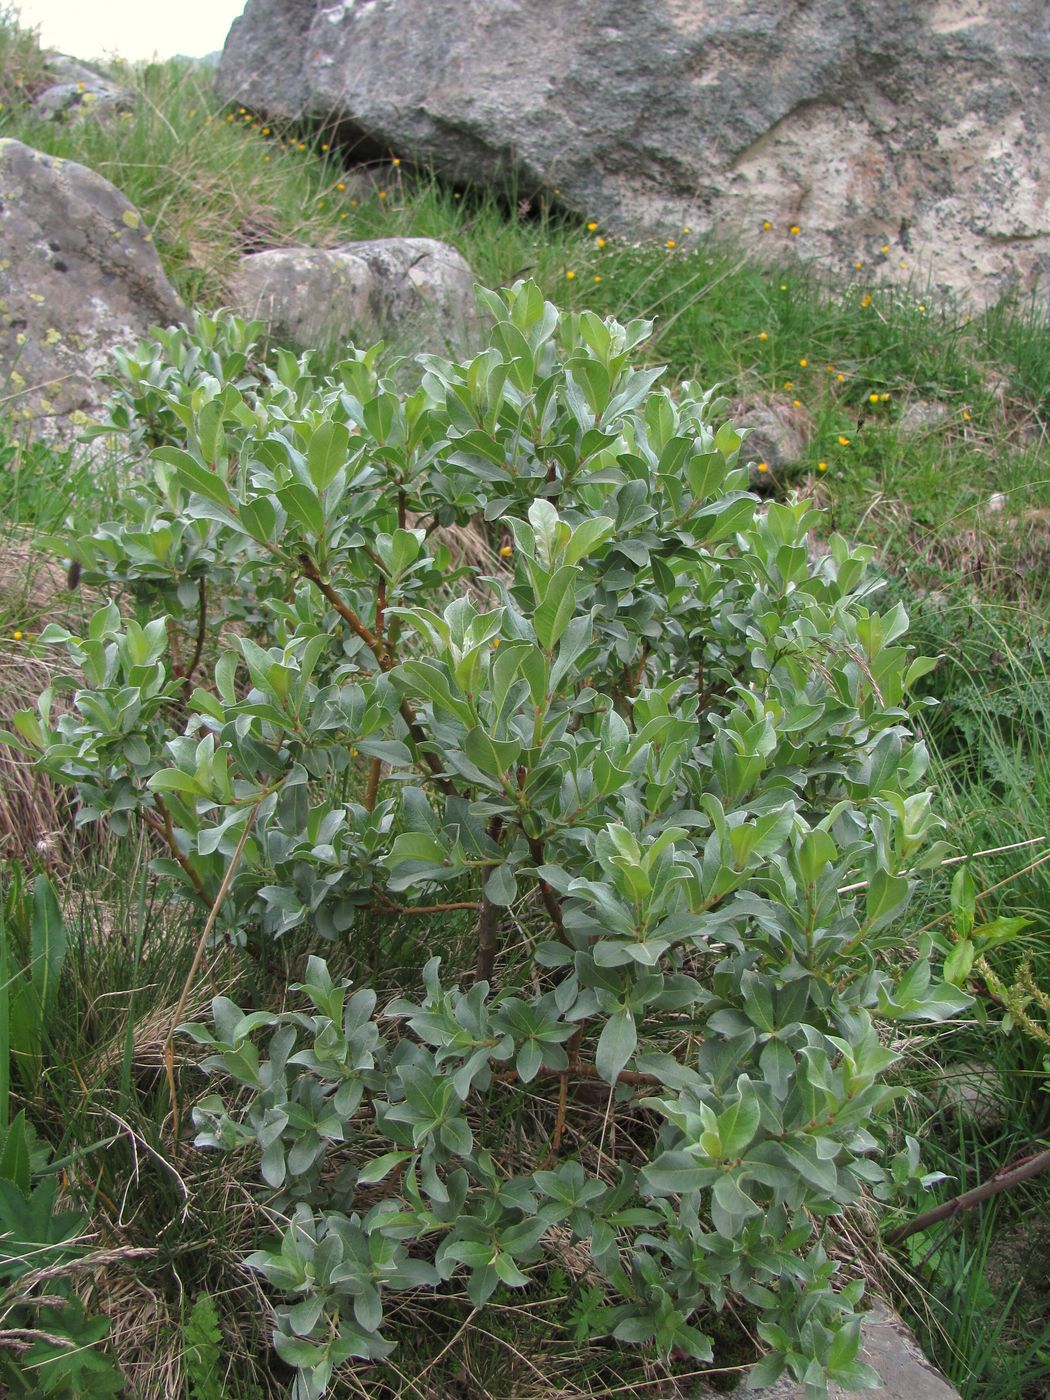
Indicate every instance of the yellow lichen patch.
{"type": "Point", "coordinates": [51, 336]}
{"type": "Point", "coordinates": [36, 296]}
{"type": "Point", "coordinates": [131, 218]}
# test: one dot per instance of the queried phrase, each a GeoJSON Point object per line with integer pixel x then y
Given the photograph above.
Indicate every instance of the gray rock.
{"type": "Point", "coordinates": [886, 1344]}
{"type": "Point", "coordinates": [414, 293]}
{"type": "Point", "coordinates": [922, 416]}
{"type": "Point", "coordinates": [971, 1089]}
{"type": "Point", "coordinates": [921, 128]}
{"type": "Point", "coordinates": [75, 101]}
{"type": "Point", "coordinates": [79, 275]}
{"type": "Point", "coordinates": [63, 69]}
{"type": "Point", "coordinates": [777, 437]}
{"type": "Point", "coordinates": [78, 91]}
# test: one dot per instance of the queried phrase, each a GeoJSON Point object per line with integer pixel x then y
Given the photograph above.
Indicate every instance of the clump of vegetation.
{"type": "Point", "coordinates": [661, 739]}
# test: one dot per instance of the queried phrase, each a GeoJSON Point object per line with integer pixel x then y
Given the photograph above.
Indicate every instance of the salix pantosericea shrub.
{"type": "Point", "coordinates": [667, 736]}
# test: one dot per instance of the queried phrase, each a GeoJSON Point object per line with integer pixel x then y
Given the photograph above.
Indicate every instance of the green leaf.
{"type": "Point", "coordinates": [587, 536]}
{"type": "Point", "coordinates": [194, 476]}
{"type": "Point", "coordinates": [327, 453]}
{"type": "Point", "coordinates": [501, 888]}
{"type": "Point", "coordinates": [381, 1167]}
{"type": "Point", "coordinates": [738, 1123]}
{"type": "Point", "coordinates": [616, 1045]}
{"type": "Point", "coordinates": [303, 507]}
{"type": "Point", "coordinates": [964, 900]}
{"type": "Point", "coordinates": [48, 945]}
{"type": "Point", "coordinates": [559, 603]}
{"type": "Point", "coordinates": [959, 961]}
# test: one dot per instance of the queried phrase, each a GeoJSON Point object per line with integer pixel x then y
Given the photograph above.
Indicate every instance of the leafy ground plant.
{"type": "Point", "coordinates": [656, 738]}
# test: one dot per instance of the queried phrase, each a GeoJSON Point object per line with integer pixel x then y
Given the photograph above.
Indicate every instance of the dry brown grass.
{"type": "Point", "coordinates": [35, 814]}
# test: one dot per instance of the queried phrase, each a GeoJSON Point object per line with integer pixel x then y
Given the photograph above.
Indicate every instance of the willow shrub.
{"type": "Point", "coordinates": [675, 742]}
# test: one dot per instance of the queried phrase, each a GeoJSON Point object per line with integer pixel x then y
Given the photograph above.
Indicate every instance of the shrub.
{"type": "Point", "coordinates": [665, 736]}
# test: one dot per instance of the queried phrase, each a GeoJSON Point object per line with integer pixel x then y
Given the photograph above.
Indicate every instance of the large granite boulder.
{"type": "Point", "coordinates": [79, 275]}
{"type": "Point", "coordinates": [884, 131]}
{"type": "Point", "coordinates": [415, 293]}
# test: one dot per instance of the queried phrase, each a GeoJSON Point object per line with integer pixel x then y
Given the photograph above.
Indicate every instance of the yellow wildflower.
{"type": "Point", "coordinates": [592, 226]}
{"type": "Point", "coordinates": [843, 441]}
{"type": "Point", "coordinates": [789, 384]}
{"type": "Point", "coordinates": [763, 466]}
{"type": "Point", "coordinates": [858, 265]}
{"type": "Point", "coordinates": [822, 466]}
{"type": "Point", "coordinates": [794, 230]}
{"type": "Point", "coordinates": [766, 225]}
{"type": "Point", "coordinates": [17, 636]}
{"type": "Point", "coordinates": [570, 275]}
{"type": "Point", "coordinates": [841, 378]}
{"type": "Point", "coordinates": [763, 335]}
{"type": "Point", "coordinates": [670, 243]}
{"type": "Point", "coordinates": [506, 551]}
{"type": "Point", "coordinates": [866, 299]}
{"type": "Point", "coordinates": [395, 160]}
{"type": "Point", "coordinates": [797, 403]}
{"type": "Point", "coordinates": [803, 363]}
{"type": "Point", "coordinates": [382, 194]}
{"type": "Point", "coordinates": [599, 242]}
{"type": "Point", "coordinates": [873, 398]}
{"type": "Point", "coordinates": [597, 276]}
{"type": "Point", "coordinates": [884, 398]}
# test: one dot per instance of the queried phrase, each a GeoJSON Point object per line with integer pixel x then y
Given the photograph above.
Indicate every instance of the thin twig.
{"type": "Point", "coordinates": [165, 829]}
{"type": "Point", "coordinates": [1001, 1181]}
{"type": "Point", "coordinates": [958, 860]}
{"type": "Point", "coordinates": [389, 907]}
{"type": "Point", "coordinates": [169, 1044]}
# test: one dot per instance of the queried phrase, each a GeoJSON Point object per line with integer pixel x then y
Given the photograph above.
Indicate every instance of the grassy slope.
{"type": "Point", "coordinates": [214, 184]}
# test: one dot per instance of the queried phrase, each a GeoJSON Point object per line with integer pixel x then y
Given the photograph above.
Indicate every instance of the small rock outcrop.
{"type": "Point", "coordinates": [778, 435]}
{"type": "Point", "coordinates": [889, 1347]}
{"type": "Point", "coordinates": [914, 138]}
{"type": "Point", "coordinates": [414, 293]}
{"type": "Point", "coordinates": [79, 276]}
{"type": "Point", "coordinates": [77, 91]}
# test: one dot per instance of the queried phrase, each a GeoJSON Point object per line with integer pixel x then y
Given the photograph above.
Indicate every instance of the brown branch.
{"type": "Point", "coordinates": [573, 1052]}
{"type": "Point", "coordinates": [1001, 1181]}
{"type": "Point", "coordinates": [389, 907]}
{"type": "Point", "coordinates": [550, 899]}
{"type": "Point", "coordinates": [380, 607]}
{"type": "Point", "coordinates": [488, 924]}
{"type": "Point", "coordinates": [431, 759]}
{"type": "Point", "coordinates": [372, 786]}
{"type": "Point", "coordinates": [202, 625]}
{"type": "Point", "coordinates": [385, 660]}
{"type": "Point", "coordinates": [166, 830]}
{"type": "Point", "coordinates": [344, 610]}
{"type": "Point", "coordinates": [209, 924]}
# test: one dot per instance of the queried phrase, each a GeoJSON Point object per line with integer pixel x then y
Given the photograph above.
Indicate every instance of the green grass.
{"type": "Point", "coordinates": [214, 184]}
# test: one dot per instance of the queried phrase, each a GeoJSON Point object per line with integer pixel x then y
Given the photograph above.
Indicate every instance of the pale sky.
{"type": "Point", "coordinates": [134, 29]}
